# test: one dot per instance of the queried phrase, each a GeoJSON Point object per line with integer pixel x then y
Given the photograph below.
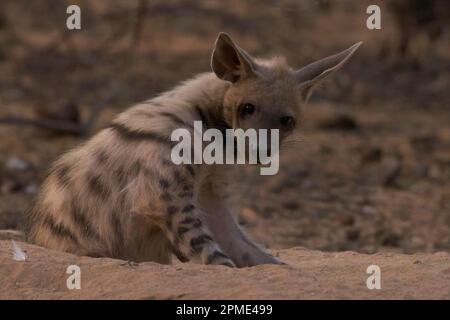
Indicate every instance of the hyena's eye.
{"type": "Point", "coordinates": [287, 122]}
{"type": "Point", "coordinates": [247, 109]}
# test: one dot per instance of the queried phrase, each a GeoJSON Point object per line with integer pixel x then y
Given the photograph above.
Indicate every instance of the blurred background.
{"type": "Point", "coordinates": [372, 169]}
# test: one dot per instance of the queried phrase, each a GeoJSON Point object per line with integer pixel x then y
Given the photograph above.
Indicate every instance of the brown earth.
{"type": "Point", "coordinates": [309, 275]}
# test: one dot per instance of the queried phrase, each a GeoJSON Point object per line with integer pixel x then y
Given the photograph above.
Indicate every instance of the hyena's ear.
{"type": "Point", "coordinates": [229, 62]}
{"type": "Point", "coordinates": [309, 76]}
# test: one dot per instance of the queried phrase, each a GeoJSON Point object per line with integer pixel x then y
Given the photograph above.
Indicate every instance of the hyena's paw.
{"type": "Point", "coordinates": [219, 258]}
{"type": "Point", "coordinates": [274, 260]}
{"type": "Point", "coordinates": [257, 258]}
{"type": "Point", "coordinates": [279, 262]}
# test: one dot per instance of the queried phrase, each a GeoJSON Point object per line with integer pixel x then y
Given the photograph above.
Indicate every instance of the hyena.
{"type": "Point", "coordinates": [120, 195]}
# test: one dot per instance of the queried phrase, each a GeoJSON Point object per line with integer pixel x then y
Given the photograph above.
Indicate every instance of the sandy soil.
{"type": "Point", "coordinates": [370, 172]}
{"type": "Point", "coordinates": [309, 275]}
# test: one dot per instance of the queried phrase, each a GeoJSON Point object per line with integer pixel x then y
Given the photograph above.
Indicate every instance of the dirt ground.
{"type": "Point", "coordinates": [370, 172]}
{"type": "Point", "coordinates": [309, 275]}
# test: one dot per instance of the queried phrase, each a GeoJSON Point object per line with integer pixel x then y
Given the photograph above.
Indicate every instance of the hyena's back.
{"type": "Point", "coordinates": [105, 198]}
{"type": "Point", "coordinates": [120, 195]}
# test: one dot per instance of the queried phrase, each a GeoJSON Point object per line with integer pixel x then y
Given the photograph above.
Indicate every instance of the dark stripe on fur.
{"type": "Point", "coordinates": [164, 184]}
{"type": "Point", "coordinates": [188, 208]}
{"type": "Point", "coordinates": [118, 233]}
{"type": "Point", "coordinates": [133, 135]}
{"type": "Point", "coordinates": [83, 224]}
{"type": "Point", "coordinates": [179, 179]}
{"type": "Point", "coordinates": [182, 230]}
{"type": "Point", "coordinates": [101, 156]}
{"type": "Point", "coordinates": [171, 210]}
{"type": "Point", "coordinates": [179, 255]}
{"type": "Point", "coordinates": [62, 173]}
{"type": "Point", "coordinates": [59, 230]}
{"type": "Point", "coordinates": [202, 116]}
{"type": "Point", "coordinates": [190, 220]}
{"type": "Point", "coordinates": [212, 119]}
{"type": "Point", "coordinates": [190, 169]}
{"type": "Point", "coordinates": [98, 187]}
{"type": "Point", "coordinates": [198, 242]}
{"type": "Point", "coordinates": [135, 169]}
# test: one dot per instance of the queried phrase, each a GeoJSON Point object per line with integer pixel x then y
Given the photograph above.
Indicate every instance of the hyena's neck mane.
{"type": "Point", "coordinates": [198, 99]}
{"type": "Point", "coordinates": [205, 94]}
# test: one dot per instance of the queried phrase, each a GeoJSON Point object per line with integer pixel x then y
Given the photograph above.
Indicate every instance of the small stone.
{"type": "Point", "coordinates": [31, 189]}
{"type": "Point", "coordinates": [16, 164]}
{"type": "Point", "coordinates": [130, 263]}
{"type": "Point", "coordinates": [368, 210]}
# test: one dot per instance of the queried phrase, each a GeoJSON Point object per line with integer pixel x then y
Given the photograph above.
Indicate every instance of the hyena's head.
{"type": "Point", "coordinates": [268, 94]}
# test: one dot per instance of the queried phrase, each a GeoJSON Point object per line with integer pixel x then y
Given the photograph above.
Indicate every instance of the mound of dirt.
{"type": "Point", "coordinates": [308, 275]}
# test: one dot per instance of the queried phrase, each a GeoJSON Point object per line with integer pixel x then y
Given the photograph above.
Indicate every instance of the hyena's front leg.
{"type": "Point", "coordinates": [233, 241]}
{"type": "Point", "coordinates": [190, 238]}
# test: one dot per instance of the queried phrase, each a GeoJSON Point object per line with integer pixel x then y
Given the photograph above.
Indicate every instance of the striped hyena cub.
{"type": "Point", "coordinates": [120, 195]}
